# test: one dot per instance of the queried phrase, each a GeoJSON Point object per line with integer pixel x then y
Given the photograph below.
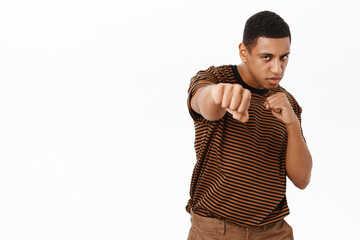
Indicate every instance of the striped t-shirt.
{"type": "Point", "coordinates": [240, 173]}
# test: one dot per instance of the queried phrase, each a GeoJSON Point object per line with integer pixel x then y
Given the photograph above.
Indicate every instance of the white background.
{"type": "Point", "coordinates": [95, 138]}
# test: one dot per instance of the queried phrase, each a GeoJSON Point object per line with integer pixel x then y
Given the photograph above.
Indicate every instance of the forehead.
{"type": "Point", "coordinates": [272, 45]}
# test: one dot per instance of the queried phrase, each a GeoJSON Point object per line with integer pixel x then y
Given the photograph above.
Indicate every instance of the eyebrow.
{"type": "Point", "coordinates": [270, 54]}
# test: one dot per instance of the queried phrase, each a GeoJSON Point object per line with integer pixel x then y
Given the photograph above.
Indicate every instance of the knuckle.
{"type": "Point", "coordinates": [225, 88]}
{"type": "Point", "coordinates": [237, 87]}
{"type": "Point", "coordinates": [218, 86]}
{"type": "Point", "coordinates": [224, 105]}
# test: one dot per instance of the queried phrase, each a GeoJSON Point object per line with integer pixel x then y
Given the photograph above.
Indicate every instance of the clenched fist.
{"type": "Point", "coordinates": [234, 98]}
{"type": "Point", "coordinates": [281, 108]}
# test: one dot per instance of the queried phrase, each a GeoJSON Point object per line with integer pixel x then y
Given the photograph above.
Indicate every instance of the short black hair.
{"type": "Point", "coordinates": [264, 24]}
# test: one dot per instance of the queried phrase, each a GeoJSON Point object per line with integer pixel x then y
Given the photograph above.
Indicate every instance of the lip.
{"type": "Point", "coordinates": [274, 80]}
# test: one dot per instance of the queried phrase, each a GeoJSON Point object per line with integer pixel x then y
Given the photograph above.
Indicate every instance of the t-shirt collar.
{"type": "Point", "coordinates": [242, 83]}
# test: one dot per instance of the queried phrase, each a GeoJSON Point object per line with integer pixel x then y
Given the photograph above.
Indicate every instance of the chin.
{"type": "Point", "coordinates": [271, 87]}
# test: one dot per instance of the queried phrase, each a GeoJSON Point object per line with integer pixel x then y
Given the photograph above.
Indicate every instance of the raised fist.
{"type": "Point", "coordinates": [234, 98]}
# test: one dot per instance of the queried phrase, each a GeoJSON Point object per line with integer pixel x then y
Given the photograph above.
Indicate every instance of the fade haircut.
{"type": "Point", "coordinates": [264, 24]}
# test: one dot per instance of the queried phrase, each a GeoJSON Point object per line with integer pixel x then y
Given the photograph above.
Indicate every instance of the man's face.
{"type": "Point", "coordinates": [267, 62]}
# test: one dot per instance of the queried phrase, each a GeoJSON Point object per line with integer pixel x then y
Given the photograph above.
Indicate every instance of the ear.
{"type": "Point", "coordinates": [243, 52]}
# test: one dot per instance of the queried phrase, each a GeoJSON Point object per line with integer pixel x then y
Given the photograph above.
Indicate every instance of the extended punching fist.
{"type": "Point", "coordinates": [234, 98]}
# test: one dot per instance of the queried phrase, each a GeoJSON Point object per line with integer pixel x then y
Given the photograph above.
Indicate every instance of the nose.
{"type": "Point", "coordinates": [276, 67]}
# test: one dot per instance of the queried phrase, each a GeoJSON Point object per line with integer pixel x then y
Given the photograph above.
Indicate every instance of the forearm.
{"type": "Point", "coordinates": [298, 157]}
{"type": "Point", "coordinates": [202, 103]}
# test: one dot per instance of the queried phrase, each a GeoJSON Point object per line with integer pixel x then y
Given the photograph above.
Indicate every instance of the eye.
{"type": "Point", "coordinates": [266, 57]}
{"type": "Point", "coordinates": [284, 57]}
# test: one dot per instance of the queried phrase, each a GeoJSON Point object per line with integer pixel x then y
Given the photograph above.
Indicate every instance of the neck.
{"type": "Point", "coordinates": [247, 76]}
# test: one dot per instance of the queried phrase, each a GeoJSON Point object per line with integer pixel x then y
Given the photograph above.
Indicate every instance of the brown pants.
{"type": "Point", "coordinates": [205, 228]}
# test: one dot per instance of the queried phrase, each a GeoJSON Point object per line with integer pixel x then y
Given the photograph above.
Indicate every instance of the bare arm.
{"type": "Point", "coordinates": [203, 103]}
{"type": "Point", "coordinates": [298, 157]}
{"type": "Point", "coordinates": [214, 100]}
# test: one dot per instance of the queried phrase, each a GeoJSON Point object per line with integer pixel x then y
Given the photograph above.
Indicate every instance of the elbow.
{"type": "Point", "coordinates": [301, 178]}
{"type": "Point", "coordinates": [300, 181]}
{"type": "Point", "coordinates": [302, 184]}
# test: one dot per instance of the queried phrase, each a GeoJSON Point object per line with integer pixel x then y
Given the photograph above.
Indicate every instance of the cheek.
{"type": "Point", "coordinates": [262, 68]}
{"type": "Point", "coordinates": [259, 66]}
{"type": "Point", "coordinates": [284, 65]}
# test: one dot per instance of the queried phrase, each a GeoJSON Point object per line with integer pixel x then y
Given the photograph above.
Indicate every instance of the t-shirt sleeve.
{"type": "Point", "coordinates": [298, 110]}
{"type": "Point", "coordinates": [201, 79]}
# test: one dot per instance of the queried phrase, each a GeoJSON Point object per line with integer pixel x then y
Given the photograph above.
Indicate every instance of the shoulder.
{"type": "Point", "coordinates": [221, 73]}
{"type": "Point", "coordinates": [223, 69]}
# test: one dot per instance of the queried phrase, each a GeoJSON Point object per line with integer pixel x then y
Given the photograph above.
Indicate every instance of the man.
{"type": "Point", "coordinates": [248, 138]}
